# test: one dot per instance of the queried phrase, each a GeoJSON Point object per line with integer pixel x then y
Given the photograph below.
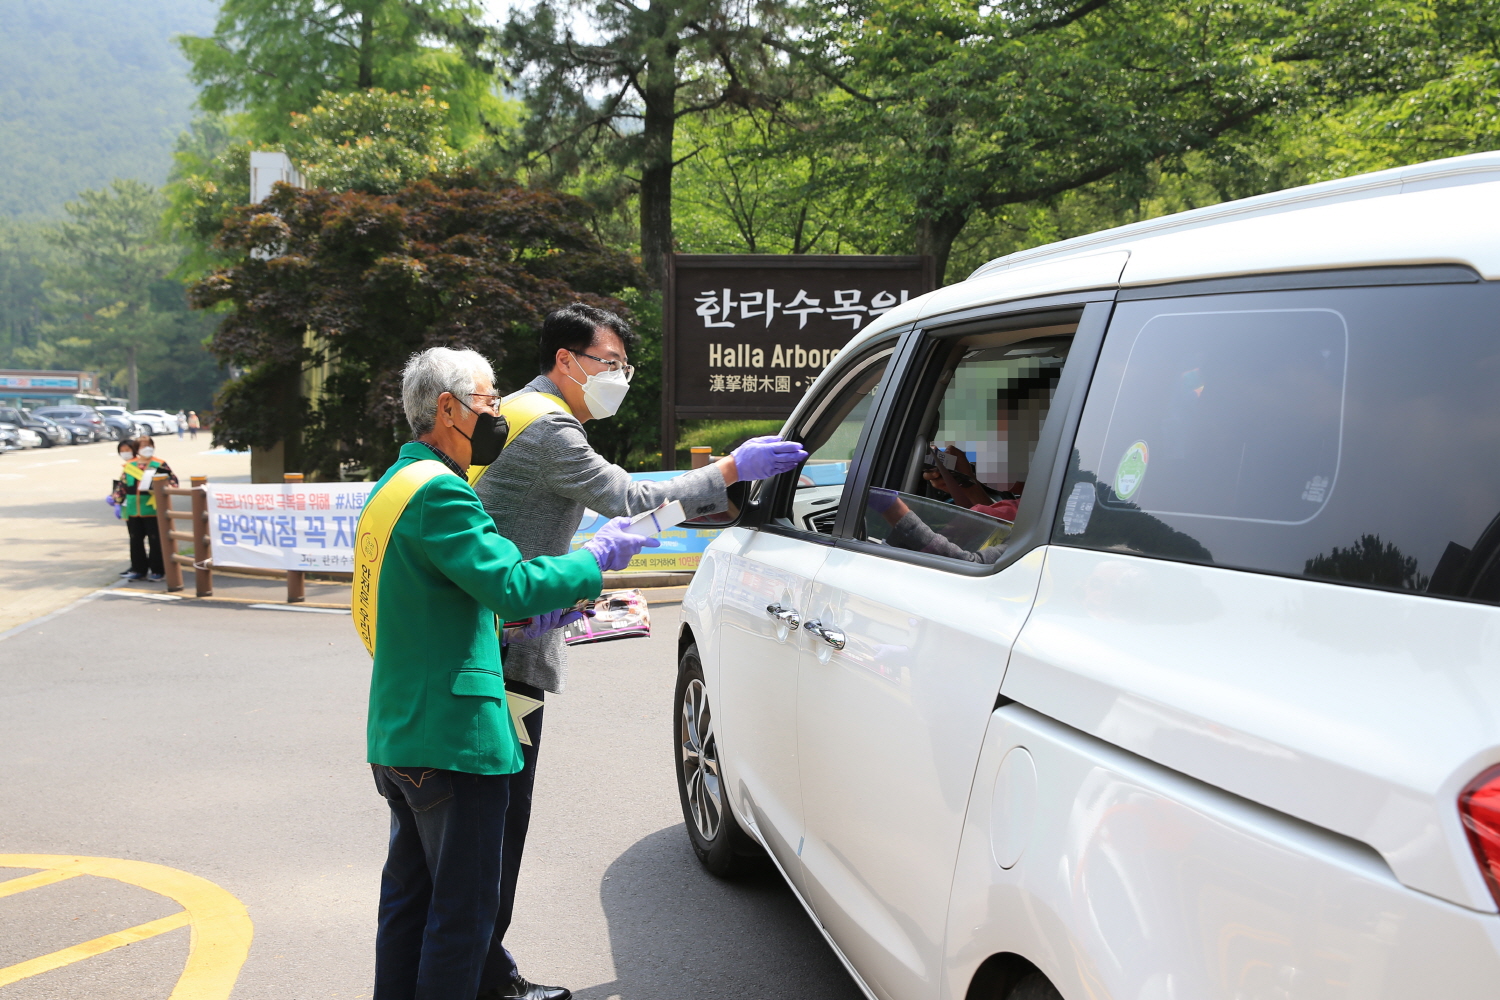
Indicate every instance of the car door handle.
{"type": "Point", "coordinates": [832, 636]}
{"type": "Point", "coordinates": [786, 616]}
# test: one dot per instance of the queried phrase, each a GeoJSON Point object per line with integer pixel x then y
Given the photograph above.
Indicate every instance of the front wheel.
{"type": "Point", "coordinates": [721, 845]}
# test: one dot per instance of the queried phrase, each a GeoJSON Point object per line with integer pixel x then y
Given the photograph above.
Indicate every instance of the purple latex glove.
{"type": "Point", "coordinates": [766, 456]}
{"type": "Point", "coordinates": [549, 621]}
{"type": "Point", "coordinates": [115, 506]}
{"type": "Point", "coordinates": [614, 547]}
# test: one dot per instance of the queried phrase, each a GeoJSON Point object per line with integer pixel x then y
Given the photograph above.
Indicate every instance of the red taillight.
{"type": "Point", "coordinates": [1479, 805]}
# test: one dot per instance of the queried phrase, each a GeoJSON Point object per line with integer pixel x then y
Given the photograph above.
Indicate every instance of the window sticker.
{"type": "Point", "coordinates": [1079, 509]}
{"type": "Point", "coordinates": [1131, 470]}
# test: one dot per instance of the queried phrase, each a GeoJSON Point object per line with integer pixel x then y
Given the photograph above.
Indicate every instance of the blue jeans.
{"type": "Point", "coordinates": [500, 967]}
{"type": "Point", "coordinates": [441, 887]}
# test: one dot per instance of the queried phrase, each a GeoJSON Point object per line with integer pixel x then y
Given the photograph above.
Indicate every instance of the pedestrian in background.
{"type": "Point", "coordinates": [181, 419]}
{"type": "Point", "coordinates": [133, 495]}
{"type": "Point", "coordinates": [193, 425]}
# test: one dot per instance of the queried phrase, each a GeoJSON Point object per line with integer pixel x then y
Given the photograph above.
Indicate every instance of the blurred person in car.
{"type": "Point", "coordinates": [133, 497]}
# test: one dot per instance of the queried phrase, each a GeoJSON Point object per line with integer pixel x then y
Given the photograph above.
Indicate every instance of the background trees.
{"type": "Point", "coordinates": [344, 286]}
{"type": "Point", "coordinates": [269, 59]}
{"type": "Point", "coordinates": [113, 301]}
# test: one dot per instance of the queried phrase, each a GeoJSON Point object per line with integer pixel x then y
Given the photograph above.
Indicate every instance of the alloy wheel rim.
{"type": "Point", "coordinates": [700, 760]}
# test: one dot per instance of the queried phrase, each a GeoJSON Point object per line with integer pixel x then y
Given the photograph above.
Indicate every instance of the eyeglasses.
{"type": "Point", "coordinates": [492, 397]}
{"type": "Point", "coordinates": [614, 366]}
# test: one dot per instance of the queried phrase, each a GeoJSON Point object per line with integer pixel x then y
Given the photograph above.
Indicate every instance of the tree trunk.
{"type": "Point", "coordinates": [366, 53]}
{"type": "Point", "coordinates": [656, 154]}
{"type": "Point", "coordinates": [133, 384]}
{"type": "Point", "coordinates": [936, 233]}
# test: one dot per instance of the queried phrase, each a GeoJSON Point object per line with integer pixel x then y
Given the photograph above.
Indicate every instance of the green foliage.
{"type": "Point", "coordinates": [616, 98]}
{"type": "Point", "coordinates": [25, 257]}
{"type": "Point", "coordinates": [350, 284]}
{"type": "Point", "coordinates": [113, 305]}
{"type": "Point", "coordinates": [271, 58]}
{"type": "Point", "coordinates": [371, 141]}
{"type": "Point", "coordinates": [723, 436]}
{"type": "Point", "coordinates": [953, 110]}
{"type": "Point", "coordinates": [746, 185]}
{"type": "Point", "coordinates": [90, 92]}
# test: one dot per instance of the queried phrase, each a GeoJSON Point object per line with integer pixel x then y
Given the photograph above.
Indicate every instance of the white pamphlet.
{"type": "Point", "coordinates": [661, 518]}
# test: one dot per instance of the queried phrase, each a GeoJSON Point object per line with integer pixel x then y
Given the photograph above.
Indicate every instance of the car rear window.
{"type": "Point", "coordinates": [1348, 434]}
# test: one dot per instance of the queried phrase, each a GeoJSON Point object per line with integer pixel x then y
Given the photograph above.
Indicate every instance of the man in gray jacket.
{"type": "Point", "coordinates": [537, 491]}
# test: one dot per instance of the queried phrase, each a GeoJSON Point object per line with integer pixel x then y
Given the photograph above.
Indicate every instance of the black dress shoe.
{"type": "Point", "coordinates": [523, 990]}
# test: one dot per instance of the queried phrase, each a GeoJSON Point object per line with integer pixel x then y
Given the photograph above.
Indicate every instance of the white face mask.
{"type": "Point", "coordinates": [126, 456]}
{"type": "Point", "coordinates": [147, 451]}
{"type": "Point", "coordinates": [604, 392]}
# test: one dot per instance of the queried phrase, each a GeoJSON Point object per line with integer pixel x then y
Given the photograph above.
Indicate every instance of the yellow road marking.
{"type": "Point", "coordinates": [221, 927]}
{"type": "Point", "coordinates": [34, 881]}
{"type": "Point", "coordinates": [98, 946]}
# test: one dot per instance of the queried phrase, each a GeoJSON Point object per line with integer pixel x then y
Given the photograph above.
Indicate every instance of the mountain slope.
{"type": "Point", "coordinates": [90, 91]}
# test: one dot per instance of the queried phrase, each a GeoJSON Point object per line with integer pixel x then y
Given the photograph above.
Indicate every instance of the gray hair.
{"type": "Point", "coordinates": [437, 370]}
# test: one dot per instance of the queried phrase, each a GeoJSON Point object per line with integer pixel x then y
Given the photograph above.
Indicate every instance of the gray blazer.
{"type": "Point", "coordinates": [537, 491]}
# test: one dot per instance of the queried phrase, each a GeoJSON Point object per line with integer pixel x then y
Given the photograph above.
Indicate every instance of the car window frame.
{"type": "Point", "coordinates": [774, 494]}
{"type": "Point", "coordinates": [1324, 279]}
{"type": "Point", "coordinates": [1033, 522]}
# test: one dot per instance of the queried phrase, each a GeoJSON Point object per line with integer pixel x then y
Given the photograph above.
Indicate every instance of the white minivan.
{"type": "Point", "coordinates": [1132, 630]}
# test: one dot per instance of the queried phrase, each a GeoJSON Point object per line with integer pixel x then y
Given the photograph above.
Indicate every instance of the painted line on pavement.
{"type": "Point", "coordinates": [60, 611]}
{"type": "Point", "coordinates": [297, 607]}
{"type": "Point", "coordinates": [221, 927]}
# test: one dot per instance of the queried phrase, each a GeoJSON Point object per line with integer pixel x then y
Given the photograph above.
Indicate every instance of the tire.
{"type": "Point", "coordinates": [722, 846]}
{"type": "Point", "coordinates": [1034, 986]}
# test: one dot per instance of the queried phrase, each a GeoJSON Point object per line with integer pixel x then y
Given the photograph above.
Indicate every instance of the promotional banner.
{"type": "Point", "coordinates": [310, 527]}
{"type": "Point", "coordinates": [303, 526]}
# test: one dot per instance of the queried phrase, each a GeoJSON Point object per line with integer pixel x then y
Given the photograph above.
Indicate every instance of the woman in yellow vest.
{"type": "Point", "coordinates": [133, 495]}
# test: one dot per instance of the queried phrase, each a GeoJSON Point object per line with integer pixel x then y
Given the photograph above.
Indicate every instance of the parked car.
{"type": "Point", "coordinates": [64, 433]}
{"type": "Point", "coordinates": [1215, 711]}
{"type": "Point", "coordinates": [122, 422]}
{"type": "Point", "coordinates": [78, 416]}
{"type": "Point", "coordinates": [30, 438]}
{"type": "Point", "coordinates": [49, 432]}
{"type": "Point", "coordinates": [10, 437]}
{"type": "Point", "coordinates": [160, 421]}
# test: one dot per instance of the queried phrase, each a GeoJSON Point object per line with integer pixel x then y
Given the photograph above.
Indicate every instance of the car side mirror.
{"type": "Point", "coordinates": [737, 493]}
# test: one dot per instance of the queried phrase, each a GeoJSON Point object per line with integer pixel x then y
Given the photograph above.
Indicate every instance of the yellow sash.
{"type": "Point", "coordinates": [376, 522]}
{"type": "Point", "coordinates": [519, 410]}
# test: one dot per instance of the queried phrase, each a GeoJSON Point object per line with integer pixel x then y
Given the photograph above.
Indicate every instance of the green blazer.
{"type": "Point", "coordinates": [437, 694]}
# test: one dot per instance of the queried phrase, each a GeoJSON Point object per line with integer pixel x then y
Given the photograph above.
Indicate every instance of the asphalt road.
{"type": "Point", "coordinates": [58, 539]}
{"type": "Point", "coordinates": [228, 742]}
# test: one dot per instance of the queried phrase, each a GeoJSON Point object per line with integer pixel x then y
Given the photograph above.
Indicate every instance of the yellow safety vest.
{"type": "Point", "coordinates": [373, 536]}
{"type": "Point", "coordinates": [519, 410]}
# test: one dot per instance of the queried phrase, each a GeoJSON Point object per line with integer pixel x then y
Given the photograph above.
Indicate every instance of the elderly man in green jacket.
{"type": "Point", "coordinates": [432, 579]}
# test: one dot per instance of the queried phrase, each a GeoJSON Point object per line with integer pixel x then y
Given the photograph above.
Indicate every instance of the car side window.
{"type": "Point", "coordinates": [1346, 435]}
{"type": "Point", "coordinates": [830, 433]}
{"type": "Point", "coordinates": [965, 457]}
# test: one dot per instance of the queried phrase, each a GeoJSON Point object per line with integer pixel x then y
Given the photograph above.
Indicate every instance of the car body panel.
{"type": "Point", "coordinates": [757, 660]}
{"type": "Point", "coordinates": [888, 730]}
{"type": "Point", "coordinates": [1359, 710]}
{"type": "Point", "coordinates": [1137, 882]}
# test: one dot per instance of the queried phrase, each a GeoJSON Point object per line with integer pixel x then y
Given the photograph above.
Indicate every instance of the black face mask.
{"type": "Point", "coordinates": [488, 439]}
